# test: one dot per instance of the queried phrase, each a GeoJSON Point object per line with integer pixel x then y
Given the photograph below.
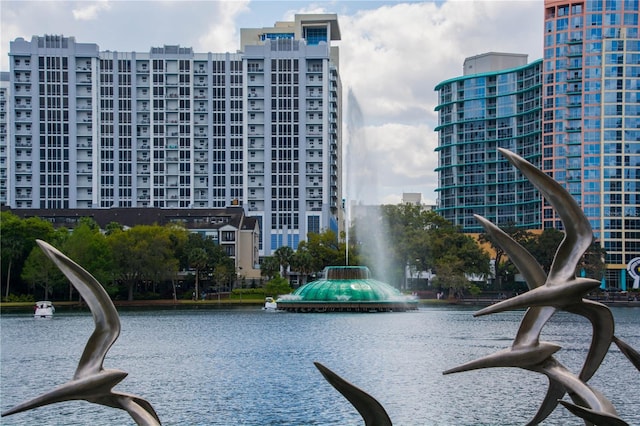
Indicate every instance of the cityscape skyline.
{"type": "Point", "coordinates": [403, 111]}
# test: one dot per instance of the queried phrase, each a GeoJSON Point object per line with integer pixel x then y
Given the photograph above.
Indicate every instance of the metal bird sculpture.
{"type": "Point", "coordinates": [369, 408]}
{"type": "Point", "coordinates": [561, 287]}
{"type": "Point", "coordinates": [598, 314]}
{"type": "Point", "coordinates": [560, 290]}
{"type": "Point", "coordinates": [91, 382]}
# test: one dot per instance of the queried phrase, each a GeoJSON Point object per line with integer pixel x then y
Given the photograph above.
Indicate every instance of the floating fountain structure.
{"type": "Point", "coordinates": [346, 289]}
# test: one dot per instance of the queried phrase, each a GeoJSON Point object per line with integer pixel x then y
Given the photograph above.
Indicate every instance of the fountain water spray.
{"type": "Point", "coordinates": [361, 189]}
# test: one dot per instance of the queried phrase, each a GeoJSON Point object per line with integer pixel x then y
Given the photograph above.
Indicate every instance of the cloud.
{"type": "Point", "coordinates": [222, 35]}
{"type": "Point", "coordinates": [89, 11]}
{"type": "Point", "coordinates": [393, 56]}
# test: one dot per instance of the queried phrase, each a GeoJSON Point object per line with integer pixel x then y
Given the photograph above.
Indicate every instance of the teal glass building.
{"type": "Point", "coordinates": [496, 104]}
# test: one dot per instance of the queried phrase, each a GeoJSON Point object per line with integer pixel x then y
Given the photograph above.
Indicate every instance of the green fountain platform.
{"type": "Point", "coordinates": [346, 289]}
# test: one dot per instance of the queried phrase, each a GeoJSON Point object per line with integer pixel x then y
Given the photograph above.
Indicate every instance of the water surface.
{"type": "Point", "coordinates": [250, 367]}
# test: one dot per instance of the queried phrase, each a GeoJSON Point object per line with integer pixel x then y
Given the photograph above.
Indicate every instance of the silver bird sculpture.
{"type": "Point", "coordinates": [91, 382]}
{"type": "Point", "coordinates": [561, 286]}
{"type": "Point", "coordinates": [527, 351]}
{"type": "Point", "coordinates": [369, 408]}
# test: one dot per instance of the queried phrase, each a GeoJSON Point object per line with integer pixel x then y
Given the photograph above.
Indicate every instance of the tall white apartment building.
{"type": "Point", "coordinates": [4, 137]}
{"type": "Point", "coordinates": [173, 128]}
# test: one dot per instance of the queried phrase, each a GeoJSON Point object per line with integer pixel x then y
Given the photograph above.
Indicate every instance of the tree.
{"type": "Point", "coordinates": [543, 247]}
{"type": "Point", "coordinates": [302, 262]}
{"type": "Point", "coordinates": [113, 227]}
{"type": "Point", "coordinates": [326, 250]}
{"type": "Point", "coordinates": [88, 247]}
{"type": "Point", "coordinates": [18, 239]}
{"type": "Point", "coordinates": [269, 267]}
{"type": "Point", "coordinates": [143, 253]}
{"type": "Point", "coordinates": [284, 255]}
{"type": "Point", "coordinates": [277, 286]}
{"type": "Point", "coordinates": [592, 264]}
{"type": "Point", "coordinates": [199, 261]}
{"type": "Point", "coordinates": [451, 275]}
{"type": "Point", "coordinates": [223, 275]}
{"type": "Point", "coordinates": [40, 272]}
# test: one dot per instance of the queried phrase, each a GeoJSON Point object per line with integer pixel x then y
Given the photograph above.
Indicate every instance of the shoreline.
{"type": "Point", "coordinates": [226, 303]}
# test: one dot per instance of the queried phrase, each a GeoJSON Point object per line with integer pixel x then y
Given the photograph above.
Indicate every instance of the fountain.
{"type": "Point", "coordinates": [346, 289]}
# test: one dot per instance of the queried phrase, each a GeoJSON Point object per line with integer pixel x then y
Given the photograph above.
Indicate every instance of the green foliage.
{"type": "Point", "coordinates": [277, 286]}
{"type": "Point", "coordinates": [544, 247]}
{"type": "Point", "coordinates": [451, 275]}
{"type": "Point", "coordinates": [18, 239]}
{"type": "Point", "coordinates": [22, 298]}
{"type": "Point", "coordinates": [144, 253]}
{"type": "Point", "coordinates": [284, 255]}
{"type": "Point", "coordinates": [474, 290]}
{"type": "Point", "coordinates": [269, 267]}
{"type": "Point", "coordinates": [416, 239]}
{"type": "Point", "coordinates": [302, 262]}
{"type": "Point", "coordinates": [139, 260]}
{"type": "Point", "coordinates": [41, 274]}
{"type": "Point", "coordinates": [325, 249]}
{"type": "Point", "coordinates": [87, 246]}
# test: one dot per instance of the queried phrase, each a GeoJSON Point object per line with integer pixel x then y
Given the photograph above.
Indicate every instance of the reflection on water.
{"type": "Point", "coordinates": [250, 367]}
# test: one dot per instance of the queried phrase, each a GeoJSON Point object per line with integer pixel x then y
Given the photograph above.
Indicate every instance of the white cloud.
{"type": "Point", "coordinates": [392, 57]}
{"type": "Point", "coordinates": [89, 11]}
{"type": "Point", "coordinates": [222, 35]}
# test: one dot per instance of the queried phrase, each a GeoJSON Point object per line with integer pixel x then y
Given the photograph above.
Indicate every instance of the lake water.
{"type": "Point", "coordinates": [246, 366]}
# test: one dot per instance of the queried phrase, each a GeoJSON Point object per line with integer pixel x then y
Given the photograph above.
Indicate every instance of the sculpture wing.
{"type": "Point", "coordinates": [591, 403]}
{"type": "Point", "coordinates": [369, 408]}
{"type": "Point", "coordinates": [603, 328]}
{"type": "Point", "coordinates": [105, 316]}
{"type": "Point", "coordinates": [628, 351]}
{"type": "Point", "coordinates": [578, 233]}
{"type": "Point", "coordinates": [528, 266]}
{"type": "Point", "coordinates": [592, 416]}
{"type": "Point", "coordinates": [139, 409]}
{"type": "Point", "coordinates": [555, 392]}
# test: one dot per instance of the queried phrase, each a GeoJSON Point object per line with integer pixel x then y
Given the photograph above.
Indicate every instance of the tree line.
{"type": "Point", "coordinates": [396, 244]}
{"type": "Point", "coordinates": [142, 261]}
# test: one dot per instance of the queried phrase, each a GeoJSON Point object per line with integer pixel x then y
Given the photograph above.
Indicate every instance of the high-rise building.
{"type": "Point", "coordinates": [173, 128]}
{"type": "Point", "coordinates": [590, 130]}
{"type": "Point", "coordinates": [4, 138]}
{"type": "Point", "coordinates": [495, 104]}
{"type": "Point", "coordinates": [591, 119]}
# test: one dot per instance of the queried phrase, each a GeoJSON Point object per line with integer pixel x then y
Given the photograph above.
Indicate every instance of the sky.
{"type": "Point", "coordinates": [392, 55]}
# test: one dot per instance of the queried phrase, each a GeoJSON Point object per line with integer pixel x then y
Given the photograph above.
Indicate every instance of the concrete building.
{"type": "Point", "coordinates": [4, 135]}
{"type": "Point", "coordinates": [591, 120]}
{"type": "Point", "coordinates": [176, 129]}
{"type": "Point", "coordinates": [478, 113]}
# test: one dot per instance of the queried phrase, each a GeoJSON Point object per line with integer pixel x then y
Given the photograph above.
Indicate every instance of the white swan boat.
{"type": "Point", "coordinates": [270, 304]}
{"type": "Point", "coordinates": [44, 309]}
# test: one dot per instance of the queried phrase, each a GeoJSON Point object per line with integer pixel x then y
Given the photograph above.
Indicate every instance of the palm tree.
{"type": "Point", "coordinates": [302, 262]}
{"type": "Point", "coordinates": [284, 255]}
{"type": "Point", "coordinates": [269, 267]}
{"type": "Point", "coordinates": [198, 260]}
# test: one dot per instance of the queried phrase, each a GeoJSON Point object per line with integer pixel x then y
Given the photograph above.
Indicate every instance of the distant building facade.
{"type": "Point", "coordinates": [591, 120]}
{"type": "Point", "coordinates": [176, 129]}
{"type": "Point", "coordinates": [587, 137]}
{"type": "Point", "coordinates": [478, 113]}
{"type": "Point", "coordinates": [4, 135]}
